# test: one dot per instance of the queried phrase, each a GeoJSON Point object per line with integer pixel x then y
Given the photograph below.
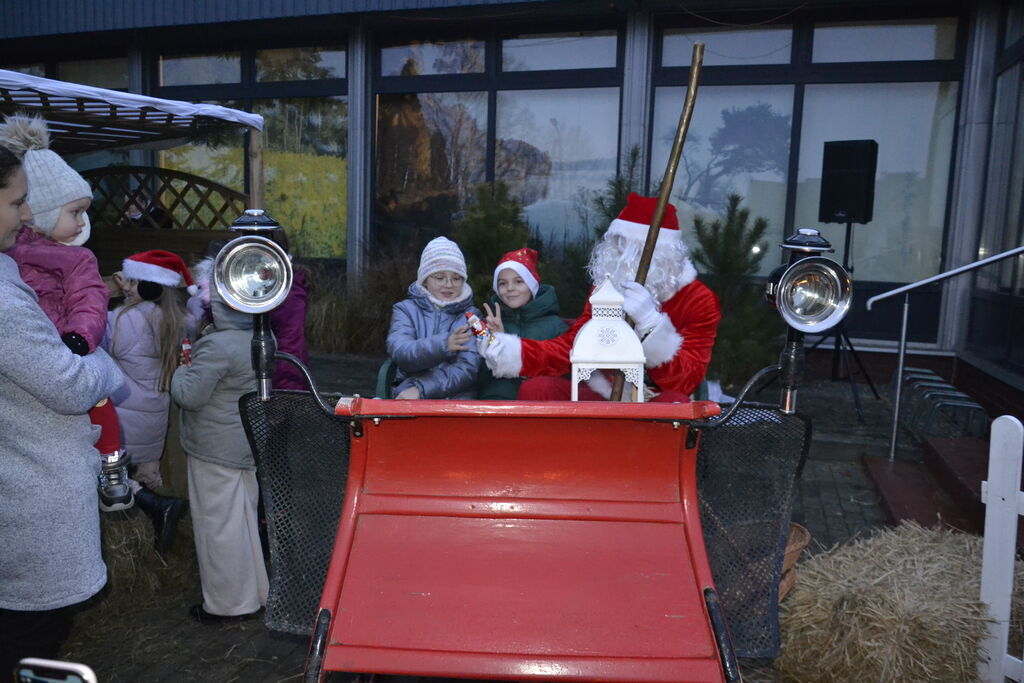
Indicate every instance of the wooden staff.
{"type": "Point", "coordinates": [666, 185]}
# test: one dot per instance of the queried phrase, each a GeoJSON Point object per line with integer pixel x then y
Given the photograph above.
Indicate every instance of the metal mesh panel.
{"type": "Point", "coordinates": [302, 463]}
{"type": "Point", "coordinates": [746, 470]}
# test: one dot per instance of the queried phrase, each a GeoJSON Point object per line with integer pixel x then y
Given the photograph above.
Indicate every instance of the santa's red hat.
{"type": "Point", "coordinates": [161, 267]}
{"type": "Point", "coordinates": [636, 217]}
{"type": "Point", "coordinates": [524, 263]}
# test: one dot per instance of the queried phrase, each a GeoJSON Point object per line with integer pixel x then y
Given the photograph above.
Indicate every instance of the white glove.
{"type": "Point", "coordinates": [490, 349]}
{"type": "Point", "coordinates": [640, 306]}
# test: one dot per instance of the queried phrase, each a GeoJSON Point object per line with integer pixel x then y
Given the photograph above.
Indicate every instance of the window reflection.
{"type": "Point", "coordinates": [431, 151]}
{"type": "Point", "coordinates": [885, 41]}
{"type": "Point", "coordinates": [555, 148]}
{"type": "Point", "coordinates": [913, 124]}
{"type": "Point", "coordinates": [220, 160]}
{"type": "Point", "coordinates": [101, 73]}
{"type": "Point", "coordinates": [200, 69]}
{"type": "Point", "coordinates": [728, 46]}
{"type": "Point", "coordinates": [594, 50]}
{"type": "Point", "coordinates": [738, 143]}
{"type": "Point", "coordinates": [429, 58]}
{"type": "Point", "coordinates": [30, 69]}
{"type": "Point", "coordinates": [299, 64]}
{"type": "Point", "coordinates": [306, 171]}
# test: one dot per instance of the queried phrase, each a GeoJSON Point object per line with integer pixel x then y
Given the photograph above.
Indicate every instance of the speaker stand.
{"type": "Point", "coordinates": [843, 348]}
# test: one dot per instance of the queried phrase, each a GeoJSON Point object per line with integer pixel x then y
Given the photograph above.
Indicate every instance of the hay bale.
{"type": "Point", "coordinates": [139, 579]}
{"type": "Point", "coordinates": [902, 605]}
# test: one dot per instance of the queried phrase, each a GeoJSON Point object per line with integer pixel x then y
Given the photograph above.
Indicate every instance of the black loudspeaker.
{"type": "Point", "coordinates": [848, 181]}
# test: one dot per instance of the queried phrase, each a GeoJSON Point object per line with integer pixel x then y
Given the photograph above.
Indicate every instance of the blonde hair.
{"type": "Point", "coordinates": [168, 330]}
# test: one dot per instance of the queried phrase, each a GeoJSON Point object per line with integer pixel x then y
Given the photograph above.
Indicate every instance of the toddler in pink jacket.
{"type": "Point", "coordinates": [65, 275]}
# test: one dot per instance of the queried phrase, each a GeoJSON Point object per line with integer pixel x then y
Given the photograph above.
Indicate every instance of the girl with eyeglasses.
{"type": "Point", "coordinates": [429, 340]}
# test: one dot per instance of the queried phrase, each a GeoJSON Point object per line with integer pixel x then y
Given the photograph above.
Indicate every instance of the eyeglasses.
{"type": "Point", "coordinates": [451, 280]}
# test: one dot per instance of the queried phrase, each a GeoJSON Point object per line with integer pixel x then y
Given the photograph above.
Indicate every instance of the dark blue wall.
{"type": "Point", "coordinates": [23, 18]}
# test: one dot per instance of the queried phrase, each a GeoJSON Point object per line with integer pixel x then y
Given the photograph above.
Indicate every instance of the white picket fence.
{"type": "Point", "coordinates": [1004, 502]}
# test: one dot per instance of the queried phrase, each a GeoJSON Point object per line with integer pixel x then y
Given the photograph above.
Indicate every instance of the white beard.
{"type": "Point", "coordinates": [670, 270]}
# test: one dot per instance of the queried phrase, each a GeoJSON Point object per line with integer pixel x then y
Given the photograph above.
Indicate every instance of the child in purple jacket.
{"type": "Point", "coordinates": [65, 276]}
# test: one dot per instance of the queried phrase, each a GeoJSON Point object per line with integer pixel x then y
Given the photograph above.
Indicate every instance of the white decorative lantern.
{"type": "Point", "coordinates": [608, 342]}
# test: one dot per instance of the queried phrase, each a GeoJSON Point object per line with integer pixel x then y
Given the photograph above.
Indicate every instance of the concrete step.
{"type": "Point", "coordinates": [909, 491]}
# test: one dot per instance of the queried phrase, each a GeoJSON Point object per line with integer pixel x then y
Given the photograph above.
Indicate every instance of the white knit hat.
{"type": "Point", "coordinates": [51, 182]}
{"type": "Point", "coordinates": [441, 254]}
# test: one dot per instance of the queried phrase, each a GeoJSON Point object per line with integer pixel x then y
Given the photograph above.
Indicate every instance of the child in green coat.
{"type": "Point", "coordinates": [521, 306]}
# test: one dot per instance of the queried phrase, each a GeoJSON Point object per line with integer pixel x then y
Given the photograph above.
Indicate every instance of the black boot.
{"type": "Point", "coordinates": [165, 513]}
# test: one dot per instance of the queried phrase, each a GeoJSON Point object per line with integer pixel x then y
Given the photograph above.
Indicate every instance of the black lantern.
{"type": "Point", "coordinates": [253, 274]}
{"type": "Point", "coordinates": [812, 294]}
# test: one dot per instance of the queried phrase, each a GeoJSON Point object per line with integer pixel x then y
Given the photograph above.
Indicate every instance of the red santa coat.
{"type": "Point", "coordinates": [678, 350]}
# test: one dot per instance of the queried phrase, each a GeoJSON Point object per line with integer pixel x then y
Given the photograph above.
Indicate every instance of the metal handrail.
{"type": "Point", "coordinates": [905, 291]}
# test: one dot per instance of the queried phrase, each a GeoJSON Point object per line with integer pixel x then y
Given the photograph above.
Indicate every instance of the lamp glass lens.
{"type": "Point", "coordinates": [255, 275]}
{"type": "Point", "coordinates": [814, 295]}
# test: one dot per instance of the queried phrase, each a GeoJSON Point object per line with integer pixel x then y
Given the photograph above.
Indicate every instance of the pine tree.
{"type": "Point", "coordinates": [729, 255]}
{"type": "Point", "coordinates": [491, 226]}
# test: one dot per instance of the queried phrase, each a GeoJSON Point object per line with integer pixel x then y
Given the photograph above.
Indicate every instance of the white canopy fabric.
{"type": "Point", "coordinates": [82, 118]}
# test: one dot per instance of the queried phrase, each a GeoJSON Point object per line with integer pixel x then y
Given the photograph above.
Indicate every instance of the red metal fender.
{"type": "Point", "coordinates": [520, 541]}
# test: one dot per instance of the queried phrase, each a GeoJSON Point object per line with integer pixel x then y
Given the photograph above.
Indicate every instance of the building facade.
{"type": "Point", "coordinates": [383, 117]}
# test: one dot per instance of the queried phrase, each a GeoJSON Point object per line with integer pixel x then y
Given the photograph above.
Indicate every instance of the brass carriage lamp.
{"type": "Point", "coordinates": [253, 274]}
{"type": "Point", "coordinates": [812, 294]}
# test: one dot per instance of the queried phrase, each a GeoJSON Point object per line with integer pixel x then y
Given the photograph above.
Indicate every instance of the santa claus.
{"type": "Point", "coordinates": [674, 314]}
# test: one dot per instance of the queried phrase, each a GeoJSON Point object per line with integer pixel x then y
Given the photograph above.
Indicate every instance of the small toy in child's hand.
{"type": "Point", "coordinates": [479, 327]}
{"type": "Point", "coordinates": [186, 351]}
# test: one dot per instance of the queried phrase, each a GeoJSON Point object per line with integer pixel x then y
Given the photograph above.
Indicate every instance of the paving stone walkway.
{"type": "Point", "coordinates": [835, 501]}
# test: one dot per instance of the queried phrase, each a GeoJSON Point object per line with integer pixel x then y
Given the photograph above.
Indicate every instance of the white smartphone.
{"type": "Point", "coordinates": [33, 670]}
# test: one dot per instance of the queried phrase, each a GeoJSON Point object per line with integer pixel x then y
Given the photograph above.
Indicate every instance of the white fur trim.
{"type": "Point", "coordinates": [662, 344]}
{"type": "Point", "coordinates": [638, 231]}
{"type": "Point", "coordinates": [523, 272]}
{"type": "Point", "coordinates": [688, 275]}
{"type": "Point", "coordinates": [504, 355]}
{"type": "Point", "coordinates": [192, 290]}
{"type": "Point", "coordinates": [600, 384]}
{"type": "Point", "coordinates": [139, 270]}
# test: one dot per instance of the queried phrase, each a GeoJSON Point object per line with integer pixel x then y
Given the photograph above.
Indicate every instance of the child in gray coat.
{"type": "Point", "coordinates": [222, 489]}
{"type": "Point", "coordinates": [429, 339]}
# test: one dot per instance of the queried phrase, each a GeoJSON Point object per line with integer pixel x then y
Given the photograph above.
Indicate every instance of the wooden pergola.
{"type": "Point", "coordinates": [87, 119]}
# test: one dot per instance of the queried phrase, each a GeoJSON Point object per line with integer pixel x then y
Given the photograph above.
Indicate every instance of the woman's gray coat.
{"type": "Point", "coordinates": [49, 514]}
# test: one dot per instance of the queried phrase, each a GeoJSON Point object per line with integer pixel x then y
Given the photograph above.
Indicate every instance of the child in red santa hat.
{"type": "Point", "coordinates": [521, 306]}
{"type": "Point", "coordinates": [144, 337]}
{"type": "Point", "coordinates": [65, 275]}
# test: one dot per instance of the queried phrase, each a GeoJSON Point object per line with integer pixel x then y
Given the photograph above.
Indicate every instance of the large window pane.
{"type": "Point", "coordinates": [738, 143]}
{"type": "Point", "coordinates": [594, 50]}
{"type": "Point", "coordinates": [101, 73]}
{"type": "Point", "coordinates": [299, 64]}
{"type": "Point", "coordinates": [442, 57]}
{"type": "Point", "coordinates": [1014, 23]}
{"type": "Point", "coordinates": [728, 46]}
{"type": "Point", "coordinates": [200, 69]}
{"type": "Point", "coordinates": [886, 41]}
{"type": "Point", "coordinates": [1001, 222]}
{"type": "Point", "coordinates": [913, 125]}
{"type": "Point", "coordinates": [306, 172]}
{"type": "Point", "coordinates": [554, 149]}
{"type": "Point", "coordinates": [431, 151]}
